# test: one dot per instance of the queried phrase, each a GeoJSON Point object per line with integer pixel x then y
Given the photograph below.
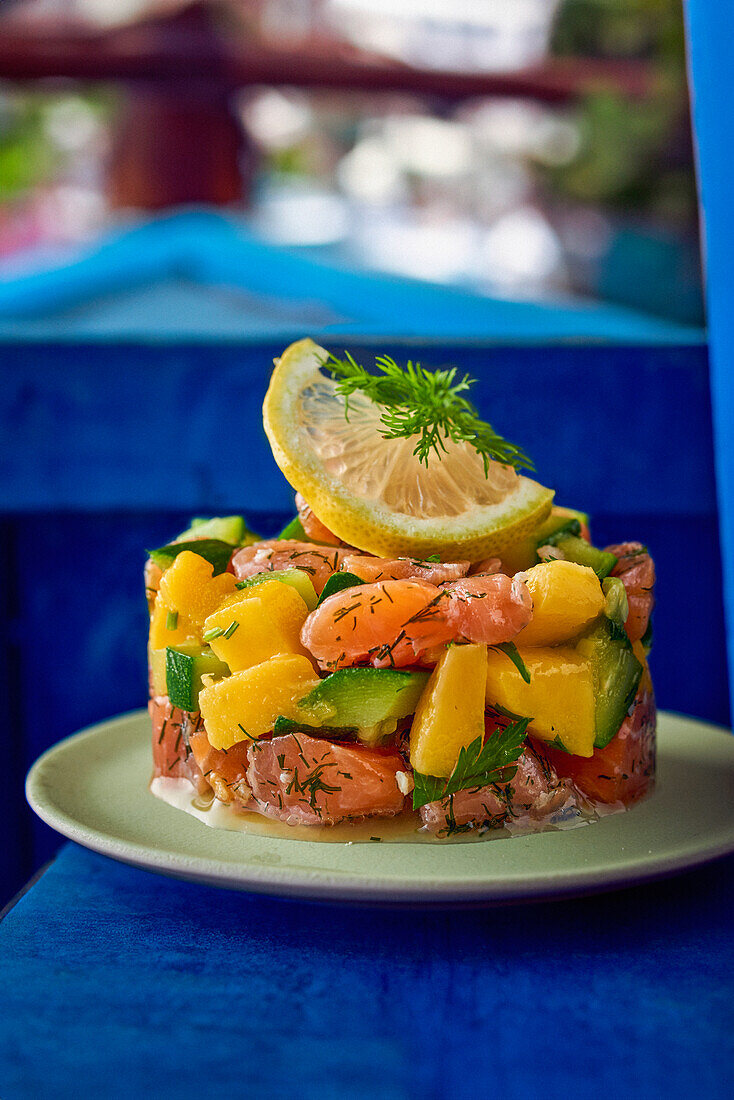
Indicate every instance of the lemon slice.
{"type": "Point", "coordinates": [373, 492]}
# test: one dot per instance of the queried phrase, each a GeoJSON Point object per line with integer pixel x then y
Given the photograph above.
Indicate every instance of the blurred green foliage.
{"type": "Point", "coordinates": [27, 156]}
{"type": "Point", "coordinates": [635, 153]}
{"type": "Point", "coordinates": [621, 28]}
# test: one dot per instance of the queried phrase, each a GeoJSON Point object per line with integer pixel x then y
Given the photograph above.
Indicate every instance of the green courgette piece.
{"type": "Point", "coordinates": [337, 582]}
{"type": "Point", "coordinates": [556, 527]}
{"type": "Point", "coordinates": [617, 674]}
{"type": "Point", "coordinates": [216, 552]}
{"type": "Point", "coordinates": [185, 666]}
{"type": "Point", "coordinates": [214, 539]}
{"type": "Point", "coordinates": [296, 578]}
{"type": "Point", "coordinates": [565, 533]}
{"type": "Point", "coordinates": [368, 702]}
{"type": "Point", "coordinates": [284, 726]}
{"type": "Point", "coordinates": [580, 551]}
{"type": "Point", "coordinates": [294, 530]}
{"type": "Point", "coordinates": [568, 521]}
{"type": "Point", "coordinates": [616, 605]}
{"type": "Point", "coordinates": [232, 529]}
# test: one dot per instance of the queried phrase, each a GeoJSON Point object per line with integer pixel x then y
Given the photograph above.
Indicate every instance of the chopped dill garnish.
{"type": "Point", "coordinates": [426, 404]}
{"type": "Point", "coordinates": [510, 650]}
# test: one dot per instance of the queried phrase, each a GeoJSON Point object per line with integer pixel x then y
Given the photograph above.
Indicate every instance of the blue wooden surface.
{"type": "Point", "coordinates": [136, 283]}
{"type": "Point", "coordinates": [107, 451]}
{"type": "Point", "coordinates": [711, 25]}
{"type": "Point", "coordinates": [621, 429]}
{"type": "Point", "coordinates": [118, 983]}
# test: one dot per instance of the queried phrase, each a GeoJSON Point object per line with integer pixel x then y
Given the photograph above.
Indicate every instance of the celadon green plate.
{"type": "Point", "coordinates": [93, 788]}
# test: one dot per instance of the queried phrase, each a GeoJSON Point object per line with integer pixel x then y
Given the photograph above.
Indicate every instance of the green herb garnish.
{"type": "Point", "coordinates": [479, 765]}
{"type": "Point", "coordinates": [338, 582]}
{"type": "Point", "coordinates": [510, 650]}
{"type": "Point", "coordinates": [171, 620]}
{"type": "Point", "coordinates": [427, 404]}
{"type": "Point", "coordinates": [231, 629]}
{"type": "Point", "coordinates": [212, 634]}
{"type": "Point", "coordinates": [506, 713]}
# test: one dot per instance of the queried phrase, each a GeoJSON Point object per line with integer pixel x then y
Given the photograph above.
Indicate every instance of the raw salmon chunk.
{"type": "Point", "coordinates": [489, 608]}
{"type": "Point", "coordinates": [535, 792]}
{"type": "Point", "coordinates": [369, 568]}
{"type": "Point", "coordinates": [224, 769]}
{"type": "Point", "coordinates": [636, 570]}
{"type": "Point", "coordinates": [313, 526]}
{"type": "Point", "coordinates": [387, 624]}
{"type": "Point", "coordinates": [302, 780]}
{"type": "Point", "coordinates": [172, 756]}
{"type": "Point", "coordinates": [393, 623]}
{"type": "Point", "coordinates": [265, 557]}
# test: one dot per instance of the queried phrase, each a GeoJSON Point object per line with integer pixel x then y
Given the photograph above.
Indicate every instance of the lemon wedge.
{"type": "Point", "coordinates": [373, 492]}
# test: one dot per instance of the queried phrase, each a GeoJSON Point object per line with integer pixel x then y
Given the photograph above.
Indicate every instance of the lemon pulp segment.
{"type": "Point", "coordinates": [373, 492]}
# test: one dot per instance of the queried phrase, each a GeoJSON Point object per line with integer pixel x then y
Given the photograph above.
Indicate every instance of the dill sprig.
{"type": "Point", "coordinates": [427, 404]}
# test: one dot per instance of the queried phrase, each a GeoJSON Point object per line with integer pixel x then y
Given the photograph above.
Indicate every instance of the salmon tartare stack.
{"type": "Point", "coordinates": [431, 640]}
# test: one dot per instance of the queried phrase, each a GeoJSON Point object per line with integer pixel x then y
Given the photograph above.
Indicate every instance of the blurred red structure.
{"type": "Point", "coordinates": [178, 141]}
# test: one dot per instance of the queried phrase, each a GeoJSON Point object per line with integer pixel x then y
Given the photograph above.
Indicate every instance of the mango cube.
{"type": "Point", "coordinates": [257, 623]}
{"type": "Point", "coordinates": [646, 681]}
{"type": "Point", "coordinates": [450, 713]}
{"type": "Point", "coordinates": [187, 586]}
{"type": "Point", "coordinates": [169, 627]}
{"type": "Point", "coordinates": [566, 598]}
{"type": "Point", "coordinates": [559, 700]}
{"type": "Point", "coordinates": [157, 671]}
{"type": "Point", "coordinates": [244, 706]}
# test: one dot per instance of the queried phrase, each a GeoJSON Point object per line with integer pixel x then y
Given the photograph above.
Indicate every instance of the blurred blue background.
{"type": "Point", "coordinates": [186, 187]}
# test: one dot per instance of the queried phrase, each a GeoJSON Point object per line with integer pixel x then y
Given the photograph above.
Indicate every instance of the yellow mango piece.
{"type": "Point", "coordinates": [450, 713]}
{"type": "Point", "coordinates": [559, 700]}
{"type": "Point", "coordinates": [244, 706]}
{"type": "Point", "coordinates": [566, 598]}
{"type": "Point", "coordinates": [268, 620]}
{"type": "Point", "coordinates": [157, 671]}
{"type": "Point", "coordinates": [188, 587]}
{"type": "Point", "coordinates": [162, 634]}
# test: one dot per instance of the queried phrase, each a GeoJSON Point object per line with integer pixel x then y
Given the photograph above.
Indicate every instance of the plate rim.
{"type": "Point", "coordinates": [342, 886]}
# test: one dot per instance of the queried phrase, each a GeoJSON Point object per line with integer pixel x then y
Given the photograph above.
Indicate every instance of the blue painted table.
{"type": "Point", "coordinates": [117, 983]}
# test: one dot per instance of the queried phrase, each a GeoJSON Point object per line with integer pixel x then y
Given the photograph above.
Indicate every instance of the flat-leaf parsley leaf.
{"type": "Point", "coordinates": [481, 763]}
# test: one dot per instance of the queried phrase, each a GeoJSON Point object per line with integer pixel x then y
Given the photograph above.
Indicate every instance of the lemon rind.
{"type": "Point", "coordinates": [371, 526]}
